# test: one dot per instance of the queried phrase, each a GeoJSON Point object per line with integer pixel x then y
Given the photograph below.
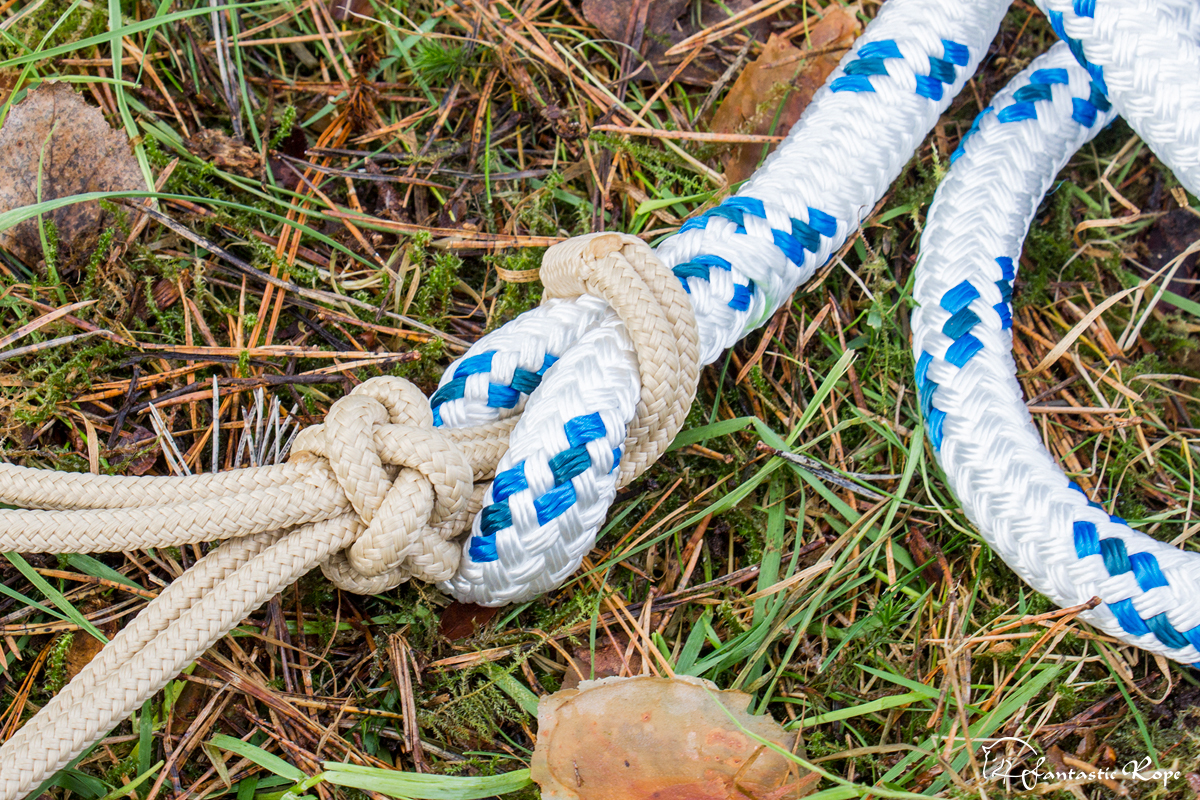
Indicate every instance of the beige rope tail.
{"type": "Point", "coordinates": [51, 740]}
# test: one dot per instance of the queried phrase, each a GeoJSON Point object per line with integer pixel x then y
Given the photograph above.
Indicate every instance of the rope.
{"type": "Point", "coordinates": [530, 434]}
{"type": "Point", "coordinates": [737, 263]}
{"type": "Point", "coordinates": [374, 495]}
{"type": "Point", "coordinates": [1042, 524]}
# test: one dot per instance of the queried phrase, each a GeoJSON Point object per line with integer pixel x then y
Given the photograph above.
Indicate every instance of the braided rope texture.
{"type": "Point", "coordinates": [1145, 55]}
{"type": "Point", "coordinates": [1010, 487]}
{"type": "Point", "coordinates": [737, 264]}
{"type": "Point", "coordinates": [589, 428]}
{"type": "Point", "coordinates": [573, 445]}
{"type": "Point", "coordinates": [241, 576]}
{"type": "Point", "coordinates": [55, 734]}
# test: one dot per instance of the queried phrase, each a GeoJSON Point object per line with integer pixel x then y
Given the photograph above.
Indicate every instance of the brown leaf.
{"type": "Point", "coordinates": [346, 10]}
{"type": "Point", "coordinates": [192, 699]}
{"type": "Point", "coordinates": [669, 22]}
{"type": "Point", "coordinates": [295, 144]}
{"type": "Point", "coordinates": [84, 646]}
{"type": "Point", "coordinates": [669, 738]}
{"type": "Point", "coordinates": [609, 661]}
{"type": "Point", "coordinates": [8, 82]}
{"type": "Point", "coordinates": [937, 569]}
{"type": "Point", "coordinates": [55, 133]}
{"type": "Point", "coordinates": [224, 152]}
{"type": "Point", "coordinates": [461, 620]}
{"type": "Point", "coordinates": [1167, 237]}
{"type": "Point", "coordinates": [771, 94]}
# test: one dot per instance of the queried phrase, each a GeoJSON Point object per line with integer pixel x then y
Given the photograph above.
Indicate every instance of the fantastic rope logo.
{"type": "Point", "coordinates": [1017, 773]}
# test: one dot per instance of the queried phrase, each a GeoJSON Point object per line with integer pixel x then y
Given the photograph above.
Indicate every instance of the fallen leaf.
{"type": "Point", "coordinates": [773, 91]}
{"type": "Point", "coordinates": [668, 738]}
{"type": "Point", "coordinates": [667, 23]}
{"type": "Point", "coordinates": [54, 133]}
{"type": "Point", "coordinates": [224, 152]}
{"type": "Point", "coordinates": [84, 647]}
{"type": "Point", "coordinates": [607, 661]}
{"type": "Point", "coordinates": [937, 569]}
{"type": "Point", "coordinates": [295, 144]}
{"type": "Point", "coordinates": [347, 10]}
{"type": "Point", "coordinates": [461, 620]}
{"type": "Point", "coordinates": [8, 82]}
{"type": "Point", "coordinates": [1167, 237]}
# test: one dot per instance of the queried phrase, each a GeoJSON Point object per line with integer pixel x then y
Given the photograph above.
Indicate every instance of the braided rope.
{"type": "Point", "coordinates": [374, 495]}
{"type": "Point", "coordinates": [1145, 56]}
{"type": "Point", "coordinates": [1011, 488]}
{"type": "Point", "coordinates": [737, 263]}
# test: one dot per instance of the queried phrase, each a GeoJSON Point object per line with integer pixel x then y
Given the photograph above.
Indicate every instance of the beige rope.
{"type": "Point", "coordinates": [374, 495]}
{"type": "Point", "coordinates": [658, 316]}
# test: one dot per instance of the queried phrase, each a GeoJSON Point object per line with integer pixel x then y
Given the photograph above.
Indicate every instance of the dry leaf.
{"type": "Point", "coordinates": [8, 82]}
{"type": "Point", "coordinates": [936, 570]}
{"type": "Point", "coordinates": [54, 132]}
{"type": "Point", "coordinates": [84, 646]}
{"type": "Point", "coordinates": [224, 152]}
{"type": "Point", "coordinates": [669, 738]}
{"type": "Point", "coordinates": [609, 660]}
{"type": "Point", "coordinates": [461, 620]}
{"type": "Point", "coordinates": [667, 23]}
{"type": "Point", "coordinates": [348, 10]}
{"type": "Point", "coordinates": [781, 75]}
{"type": "Point", "coordinates": [1167, 237]}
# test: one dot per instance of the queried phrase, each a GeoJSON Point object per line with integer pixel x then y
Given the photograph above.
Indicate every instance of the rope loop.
{"type": "Point", "coordinates": [413, 486]}
{"type": "Point", "coordinates": [657, 313]}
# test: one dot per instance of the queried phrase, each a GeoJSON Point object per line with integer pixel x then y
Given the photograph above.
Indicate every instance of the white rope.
{"type": "Point", "coordinates": [1145, 55]}
{"type": "Point", "coordinates": [739, 263]}
{"type": "Point", "coordinates": [1041, 524]}
{"type": "Point", "coordinates": [585, 430]}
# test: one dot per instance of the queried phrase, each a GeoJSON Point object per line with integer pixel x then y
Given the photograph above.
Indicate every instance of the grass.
{"type": "Point", "coordinates": [864, 614]}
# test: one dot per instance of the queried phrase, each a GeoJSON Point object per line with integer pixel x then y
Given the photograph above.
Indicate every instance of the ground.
{"type": "Point", "coordinates": [465, 137]}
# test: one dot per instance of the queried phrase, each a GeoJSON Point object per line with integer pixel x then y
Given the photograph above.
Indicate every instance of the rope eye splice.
{"type": "Point", "coordinates": [531, 432]}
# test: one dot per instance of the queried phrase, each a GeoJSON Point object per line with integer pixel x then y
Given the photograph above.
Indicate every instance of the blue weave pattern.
{"type": "Point", "coordinates": [802, 239]}
{"type": "Point", "coordinates": [1084, 8]}
{"type": "Point", "coordinates": [871, 59]}
{"type": "Point", "coordinates": [499, 395]}
{"type": "Point", "coordinates": [565, 466]}
{"type": "Point", "coordinates": [1145, 568]}
{"type": "Point", "coordinates": [1040, 89]}
{"type": "Point", "coordinates": [1102, 543]}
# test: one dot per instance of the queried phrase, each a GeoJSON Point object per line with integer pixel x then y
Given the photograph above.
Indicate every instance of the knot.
{"type": "Point", "coordinates": [412, 486]}
{"type": "Point", "coordinates": [658, 316]}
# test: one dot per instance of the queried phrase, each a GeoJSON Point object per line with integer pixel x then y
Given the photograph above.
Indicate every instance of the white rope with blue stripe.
{"type": "Point", "coordinates": [1038, 521]}
{"type": "Point", "coordinates": [739, 262]}
{"type": "Point", "coordinates": [743, 259]}
{"type": "Point", "coordinates": [570, 371]}
{"type": "Point", "coordinates": [1041, 523]}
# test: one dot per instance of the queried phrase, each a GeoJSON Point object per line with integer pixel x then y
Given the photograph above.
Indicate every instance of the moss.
{"type": "Point", "coordinates": [32, 29]}
{"type": "Point", "coordinates": [56, 663]}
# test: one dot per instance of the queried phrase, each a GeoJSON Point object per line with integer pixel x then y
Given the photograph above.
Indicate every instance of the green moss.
{"type": "Point", "coordinates": [56, 662]}
{"type": "Point", "coordinates": [31, 29]}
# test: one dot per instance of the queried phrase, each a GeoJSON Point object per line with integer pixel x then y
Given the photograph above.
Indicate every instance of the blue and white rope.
{"type": "Point", "coordinates": [1011, 488]}
{"type": "Point", "coordinates": [1145, 55]}
{"type": "Point", "coordinates": [739, 262]}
